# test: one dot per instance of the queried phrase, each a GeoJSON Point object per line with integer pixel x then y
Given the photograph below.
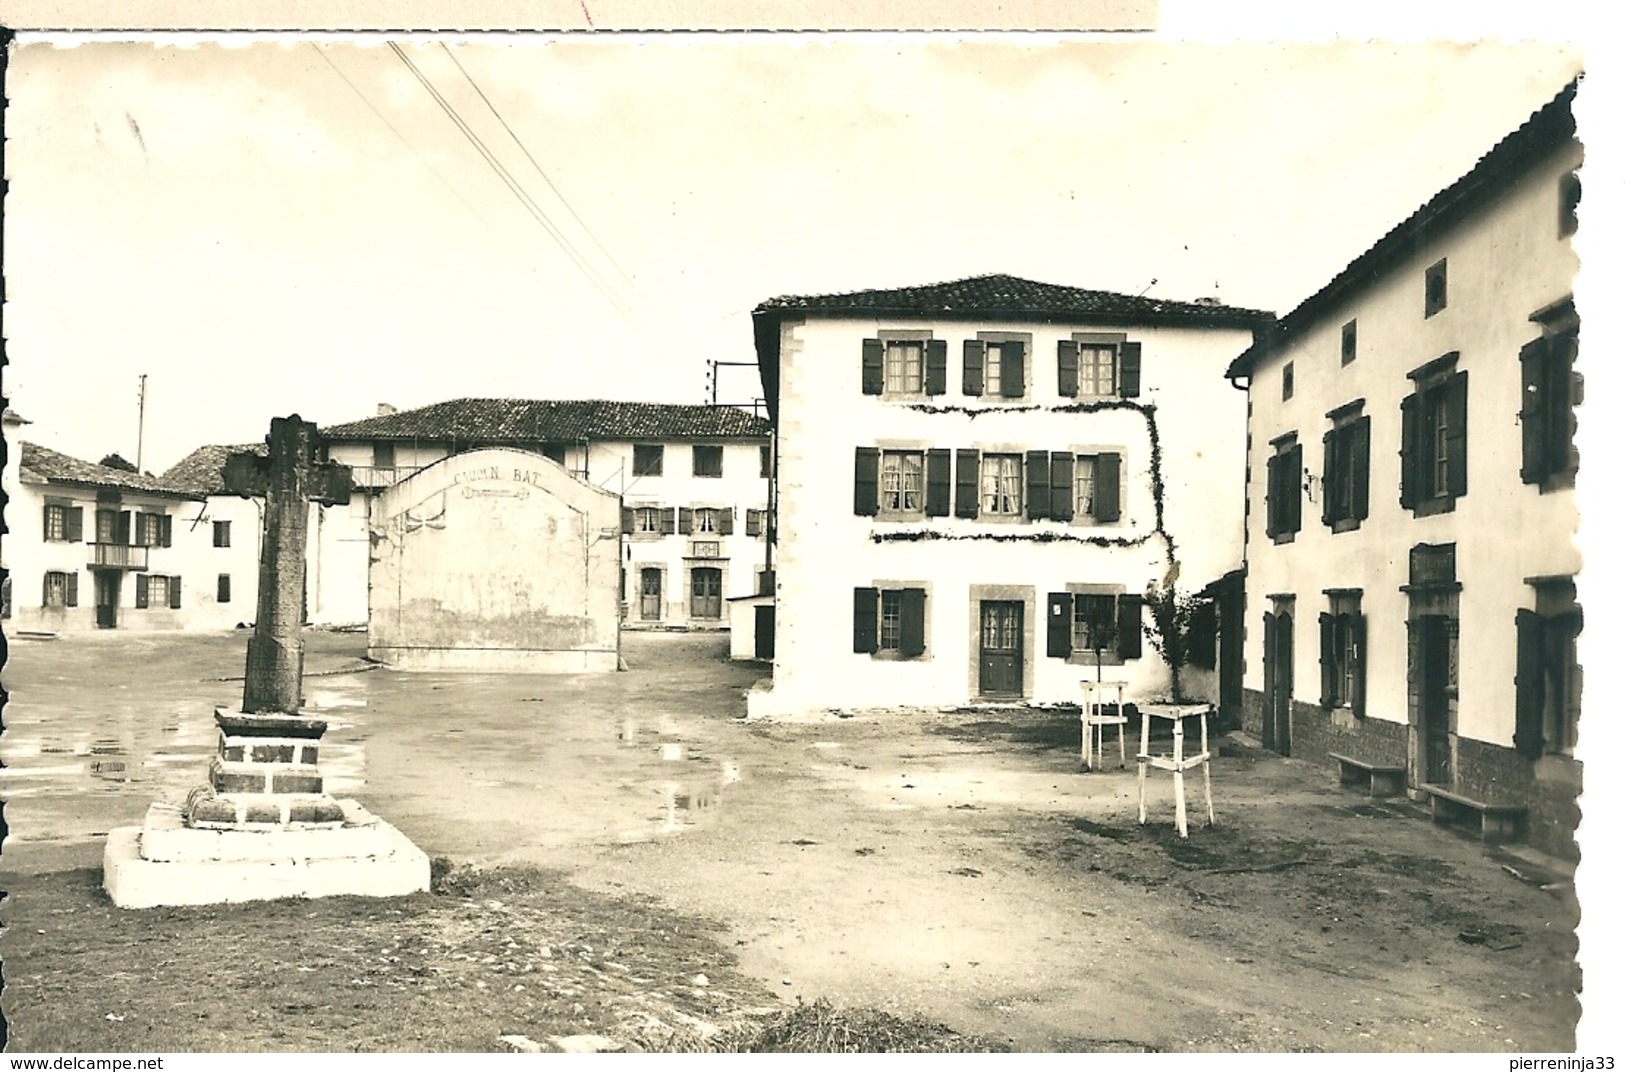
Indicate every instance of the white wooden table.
{"type": "Point", "coordinates": [1099, 697]}
{"type": "Point", "coordinates": [1178, 762]}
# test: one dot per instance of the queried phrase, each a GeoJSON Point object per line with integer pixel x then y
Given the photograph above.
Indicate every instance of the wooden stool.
{"type": "Point", "coordinates": [1095, 720]}
{"type": "Point", "coordinates": [1178, 763]}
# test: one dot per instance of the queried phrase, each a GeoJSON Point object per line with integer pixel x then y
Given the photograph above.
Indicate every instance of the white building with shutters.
{"type": "Point", "coordinates": [978, 482]}
{"type": "Point", "coordinates": [1411, 569]}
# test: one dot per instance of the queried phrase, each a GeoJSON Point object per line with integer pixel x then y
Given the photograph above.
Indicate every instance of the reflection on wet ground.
{"type": "Point", "coordinates": [99, 728]}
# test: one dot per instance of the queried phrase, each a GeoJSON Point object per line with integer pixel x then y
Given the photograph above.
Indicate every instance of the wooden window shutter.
{"type": "Point", "coordinates": [1328, 660]}
{"type": "Point", "coordinates": [874, 367]}
{"type": "Point", "coordinates": [967, 483]}
{"type": "Point", "coordinates": [1108, 486]}
{"type": "Point", "coordinates": [938, 483]}
{"type": "Point", "coordinates": [1128, 370]}
{"type": "Point", "coordinates": [222, 588]}
{"type": "Point", "coordinates": [911, 623]}
{"type": "Point", "coordinates": [45, 591]}
{"type": "Point", "coordinates": [865, 620]}
{"type": "Point", "coordinates": [1066, 367]}
{"type": "Point", "coordinates": [1532, 414]}
{"type": "Point", "coordinates": [1410, 454]}
{"type": "Point", "coordinates": [1061, 491]}
{"type": "Point", "coordinates": [1293, 472]}
{"type": "Point", "coordinates": [936, 366]}
{"type": "Point", "coordinates": [1272, 495]}
{"type": "Point", "coordinates": [166, 528]}
{"type": "Point", "coordinates": [1359, 449]}
{"type": "Point", "coordinates": [73, 589]}
{"type": "Point", "coordinates": [1455, 416]}
{"type": "Point", "coordinates": [975, 352]}
{"type": "Point", "coordinates": [668, 521]}
{"type": "Point", "coordinates": [1128, 625]}
{"type": "Point", "coordinates": [626, 520]}
{"type": "Point", "coordinates": [122, 532]}
{"type": "Point", "coordinates": [1037, 484]}
{"type": "Point", "coordinates": [45, 523]}
{"type": "Point", "coordinates": [1528, 731]}
{"type": "Point", "coordinates": [725, 521]}
{"type": "Point", "coordinates": [1328, 474]}
{"type": "Point", "coordinates": [1058, 644]}
{"type": "Point", "coordinates": [141, 590]}
{"type": "Point", "coordinates": [685, 520]}
{"type": "Point", "coordinates": [1356, 625]}
{"type": "Point", "coordinates": [753, 522]}
{"type": "Point", "coordinates": [175, 593]}
{"type": "Point", "coordinates": [1012, 369]}
{"type": "Point", "coordinates": [866, 482]}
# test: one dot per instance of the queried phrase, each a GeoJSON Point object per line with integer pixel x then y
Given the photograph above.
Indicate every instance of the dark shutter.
{"type": "Point", "coordinates": [938, 483]}
{"type": "Point", "coordinates": [1359, 460]}
{"type": "Point", "coordinates": [1328, 475]}
{"type": "Point", "coordinates": [1272, 495]}
{"type": "Point", "coordinates": [141, 590]}
{"type": "Point", "coordinates": [1059, 630]}
{"type": "Point", "coordinates": [1328, 661]}
{"type": "Point", "coordinates": [1528, 733]}
{"type": "Point", "coordinates": [874, 367]}
{"type": "Point", "coordinates": [1066, 367]}
{"type": "Point", "coordinates": [1128, 376]}
{"type": "Point", "coordinates": [1294, 494]}
{"type": "Point", "coordinates": [685, 520]}
{"type": "Point", "coordinates": [936, 366]}
{"type": "Point", "coordinates": [1532, 414]}
{"type": "Point", "coordinates": [122, 531]}
{"type": "Point", "coordinates": [166, 530]}
{"type": "Point", "coordinates": [865, 620]}
{"type": "Point", "coordinates": [1356, 624]}
{"type": "Point", "coordinates": [73, 589]}
{"type": "Point", "coordinates": [626, 520]}
{"type": "Point", "coordinates": [967, 483]}
{"type": "Point", "coordinates": [175, 593]}
{"type": "Point", "coordinates": [1012, 369]}
{"type": "Point", "coordinates": [866, 482]}
{"type": "Point", "coordinates": [1108, 486]}
{"type": "Point", "coordinates": [753, 522]}
{"type": "Point", "coordinates": [668, 521]}
{"type": "Point", "coordinates": [1061, 490]}
{"type": "Point", "coordinates": [1128, 625]}
{"type": "Point", "coordinates": [45, 523]}
{"type": "Point", "coordinates": [222, 588]}
{"type": "Point", "coordinates": [725, 521]}
{"type": "Point", "coordinates": [975, 351]}
{"type": "Point", "coordinates": [1410, 453]}
{"type": "Point", "coordinates": [1037, 484]}
{"type": "Point", "coordinates": [911, 623]}
{"type": "Point", "coordinates": [1455, 434]}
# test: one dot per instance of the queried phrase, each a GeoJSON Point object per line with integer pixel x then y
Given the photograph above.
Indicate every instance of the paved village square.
{"type": "Point", "coordinates": [981, 662]}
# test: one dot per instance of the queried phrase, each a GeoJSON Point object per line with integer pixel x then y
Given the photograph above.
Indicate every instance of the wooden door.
{"type": "Point", "coordinates": [1277, 729]}
{"type": "Point", "coordinates": [107, 588]}
{"type": "Point", "coordinates": [1433, 699]}
{"type": "Point", "coordinates": [706, 601]}
{"type": "Point", "coordinates": [764, 632]}
{"type": "Point", "coordinates": [1001, 654]}
{"type": "Point", "coordinates": [649, 595]}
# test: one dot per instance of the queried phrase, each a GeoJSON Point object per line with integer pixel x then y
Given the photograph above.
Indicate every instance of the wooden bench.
{"type": "Point", "coordinates": [1497, 822]}
{"type": "Point", "coordinates": [1379, 779]}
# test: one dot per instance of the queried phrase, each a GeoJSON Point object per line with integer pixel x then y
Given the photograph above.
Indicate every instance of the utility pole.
{"type": "Point", "coordinates": [140, 421]}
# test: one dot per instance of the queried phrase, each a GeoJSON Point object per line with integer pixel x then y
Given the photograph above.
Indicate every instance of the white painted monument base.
{"type": "Point", "coordinates": [165, 862]}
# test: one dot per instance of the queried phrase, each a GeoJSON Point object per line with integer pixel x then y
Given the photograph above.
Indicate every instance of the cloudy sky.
{"type": "Point", "coordinates": [303, 227]}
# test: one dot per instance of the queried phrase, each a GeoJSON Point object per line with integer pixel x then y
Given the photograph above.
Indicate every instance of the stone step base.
{"type": "Point", "coordinates": [221, 867]}
{"type": "Point", "coordinates": [228, 777]}
{"type": "Point", "coordinates": [165, 837]}
{"type": "Point", "coordinates": [260, 811]}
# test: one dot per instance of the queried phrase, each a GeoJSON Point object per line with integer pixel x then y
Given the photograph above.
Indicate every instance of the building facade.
{"type": "Point", "coordinates": [978, 482]}
{"type": "Point", "coordinates": [1410, 565]}
{"type": "Point", "coordinates": [693, 482]}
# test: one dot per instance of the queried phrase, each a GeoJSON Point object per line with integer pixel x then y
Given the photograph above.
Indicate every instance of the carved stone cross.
{"type": "Point", "coordinates": [289, 478]}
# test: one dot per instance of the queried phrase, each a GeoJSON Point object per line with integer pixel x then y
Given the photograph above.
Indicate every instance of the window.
{"type": "Point", "coordinates": [1548, 675]}
{"type": "Point", "coordinates": [905, 367]}
{"type": "Point", "coordinates": [1435, 290]}
{"type": "Point", "coordinates": [767, 460]}
{"type": "Point", "coordinates": [222, 588]}
{"type": "Point", "coordinates": [1568, 205]}
{"type": "Point", "coordinates": [1083, 504]}
{"type": "Point", "coordinates": [383, 454]}
{"type": "Point", "coordinates": [707, 460]}
{"type": "Point", "coordinates": [1094, 620]}
{"type": "Point", "coordinates": [648, 459]}
{"type": "Point", "coordinates": [705, 592]}
{"type": "Point", "coordinates": [64, 522]}
{"type": "Point", "coordinates": [889, 622]}
{"type": "Point", "coordinates": [112, 526]}
{"type": "Point", "coordinates": [1283, 514]}
{"type": "Point", "coordinates": [1097, 482]}
{"type": "Point", "coordinates": [61, 590]}
{"type": "Point", "coordinates": [646, 520]}
{"type": "Point", "coordinates": [995, 368]}
{"type": "Point", "coordinates": [222, 533]}
{"type": "Point", "coordinates": [755, 522]}
{"type": "Point", "coordinates": [1094, 624]}
{"type": "Point", "coordinates": [154, 590]}
{"type": "Point", "coordinates": [153, 530]}
{"type": "Point", "coordinates": [1091, 367]}
{"type": "Point", "coordinates": [1001, 484]}
{"type": "Point", "coordinates": [1546, 417]}
{"type": "Point", "coordinates": [1433, 439]}
{"type": "Point", "coordinates": [1342, 653]}
{"type": "Point", "coordinates": [902, 482]}
{"type": "Point", "coordinates": [1350, 342]}
{"type": "Point", "coordinates": [1286, 381]}
{"type": "Point", "coordinates": [1346, 473]}
{"type": "Point", "coordinates": [708, 520]}
{"type": "Point", "coordinates": [1097, 371]}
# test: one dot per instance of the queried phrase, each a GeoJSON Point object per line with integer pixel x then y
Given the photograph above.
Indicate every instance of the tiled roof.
{"type": "Point", "coordinates": [513, 420]}
{"type": "Point", "coordinates": [1545, 131]}
{"type": "Point", "coordinates": [202, 470]}
{"type": "Point", "coordinates": [1007, 297]}
{"type": "Point", "coordinates": [42, 465]}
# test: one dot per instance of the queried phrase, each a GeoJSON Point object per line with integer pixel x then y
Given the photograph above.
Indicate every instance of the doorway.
{"type": "Point", "coordinates": [107, 592]}
{"type": "Point", "coordinates": [1433, 676]}
{"type": "Point", "coordinates": [706, 599]}
{"type": "Point", "coordinates": [764, 632]}
{"type": "Point", "coordinates": [1277, 728]}
{"type": "Point", "coordinates": [1001, 648]}
{"type": "Point", "coordinates": [649, 594]}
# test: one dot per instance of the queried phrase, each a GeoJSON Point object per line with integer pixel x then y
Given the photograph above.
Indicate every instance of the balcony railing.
{"type": "Point", "coordinates": [380, 476]}
{"type": "Point", "coordinates": [118, 556]}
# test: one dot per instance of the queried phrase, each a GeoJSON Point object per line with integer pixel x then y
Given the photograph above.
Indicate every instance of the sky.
{"type": "Point", "coordinates": [300, 227]}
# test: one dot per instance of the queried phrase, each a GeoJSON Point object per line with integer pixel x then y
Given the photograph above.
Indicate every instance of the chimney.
{"type": "Point", "coordinates": [386, 410]}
